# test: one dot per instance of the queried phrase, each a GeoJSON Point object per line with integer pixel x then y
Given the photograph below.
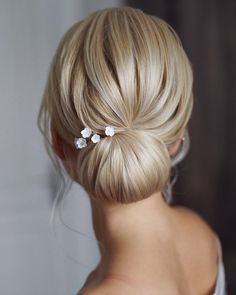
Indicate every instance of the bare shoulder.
{"type": "Point", "coordinates": [109, 287]}
{"type": "Point", "coordinates": [196, 227]}
{"type": "Point", "coordinates": [198, 244]}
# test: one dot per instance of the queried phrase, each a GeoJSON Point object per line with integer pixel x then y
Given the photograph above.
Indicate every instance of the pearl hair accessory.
{"type": "Point", "coordinates": [81, 142]}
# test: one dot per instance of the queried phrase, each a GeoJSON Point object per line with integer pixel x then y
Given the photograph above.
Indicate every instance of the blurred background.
{"type": "Point", "coordinates": [33, 259]}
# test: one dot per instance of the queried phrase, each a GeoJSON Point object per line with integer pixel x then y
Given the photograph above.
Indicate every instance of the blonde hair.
{"type": "Point", "coordinates": [119, 67]}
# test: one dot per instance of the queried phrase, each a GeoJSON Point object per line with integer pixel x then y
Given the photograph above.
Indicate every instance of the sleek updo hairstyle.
{"type": "Point", "coordinates": [120, 67]}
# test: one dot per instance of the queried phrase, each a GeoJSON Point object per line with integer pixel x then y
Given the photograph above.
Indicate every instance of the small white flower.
{"type": "Point", "coordinates": [80, 143]}
{"type": "Point", "coordinates": [86, 132]}
{"type": "Point", "coordinates": [95, 138]}
{"type": "Point", "coordinates": [109, 131]}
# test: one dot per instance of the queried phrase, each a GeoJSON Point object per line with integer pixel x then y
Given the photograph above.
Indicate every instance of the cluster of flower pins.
{"type": "Point", "coordinates": [81, 142]}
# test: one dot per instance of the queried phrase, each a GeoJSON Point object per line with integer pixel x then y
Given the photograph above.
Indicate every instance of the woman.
{"type": "Point", "coordinates": [117, 103]}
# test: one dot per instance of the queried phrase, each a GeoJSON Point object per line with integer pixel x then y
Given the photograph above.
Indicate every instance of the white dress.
{"type": "Point", "coordinates": [220, 283]}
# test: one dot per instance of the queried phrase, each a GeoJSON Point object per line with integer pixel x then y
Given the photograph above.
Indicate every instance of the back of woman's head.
{"type": "Point", "coordinates": [119, 67]}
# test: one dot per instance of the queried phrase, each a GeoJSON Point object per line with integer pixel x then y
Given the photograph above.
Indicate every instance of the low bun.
{"type": "Point", "coordinates": [126, 168]}
{"type": "Point", "coordinates": [119, 67]}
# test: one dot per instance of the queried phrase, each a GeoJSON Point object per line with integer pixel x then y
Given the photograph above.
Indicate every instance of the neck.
{"type": "Point", "coordinates": [131, 229]}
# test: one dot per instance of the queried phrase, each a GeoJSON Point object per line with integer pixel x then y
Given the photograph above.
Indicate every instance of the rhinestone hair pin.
{"type": "Point", "coordinates": [81, 142]}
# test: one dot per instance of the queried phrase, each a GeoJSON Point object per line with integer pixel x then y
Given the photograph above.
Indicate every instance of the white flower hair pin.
{"type": "Point", "coordinates": [86, 132]}
{"type": "Point", "coordinates": [109, 131]}
{"type": "Point", "coordinates": [81, 142]}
